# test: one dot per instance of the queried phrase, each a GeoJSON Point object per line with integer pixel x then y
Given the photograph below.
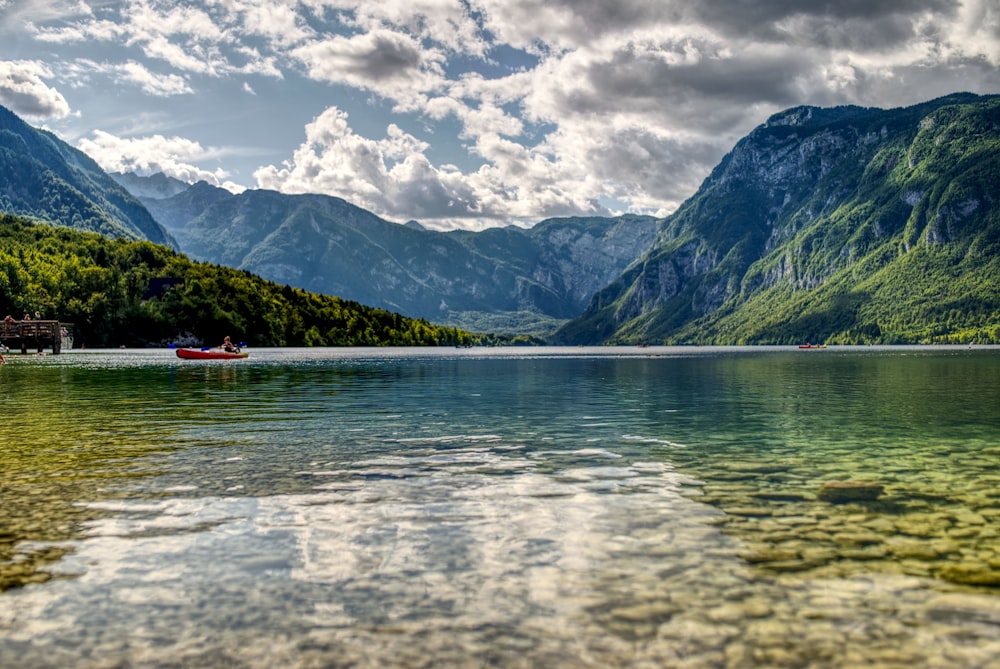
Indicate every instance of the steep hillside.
{"type": "Point", "coordinates": [840, 225]}
{"type": "Point", "coordinates": [44, 178]}
{"type": "Point", "coordinates": [502, 279]}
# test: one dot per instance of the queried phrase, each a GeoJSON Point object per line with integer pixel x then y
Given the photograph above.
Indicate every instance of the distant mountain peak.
{"type": "Point", "coordinates": [794, 116]}
{"type": "Point", "coordinates": [156, 185]}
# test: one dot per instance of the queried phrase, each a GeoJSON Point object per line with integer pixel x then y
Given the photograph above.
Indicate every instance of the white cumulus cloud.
{"type": "Point", "coordinates": [174, 156]}
{"type": "Point", "coordinates": [24, 91]}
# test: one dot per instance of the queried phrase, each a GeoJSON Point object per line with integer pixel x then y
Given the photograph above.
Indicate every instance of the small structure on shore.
{"type": "Point", "coordinates": [38, 335]}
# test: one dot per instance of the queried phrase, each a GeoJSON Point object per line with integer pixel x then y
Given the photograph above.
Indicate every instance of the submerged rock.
{"type": "Point", "coordinates": [843, 492]}
{"type": "Point", "coordinates": [971, 574]}
{"type": "Point", "coordinates": [959, 608]}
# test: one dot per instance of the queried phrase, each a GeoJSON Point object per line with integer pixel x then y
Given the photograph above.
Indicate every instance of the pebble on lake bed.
{"type": "Point", "coordinates": [843, 492]}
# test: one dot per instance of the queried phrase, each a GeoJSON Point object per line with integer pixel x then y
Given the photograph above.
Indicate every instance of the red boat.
{"type": "Point", "coordinates": [812, 345]}
{"type": "Point", "coordinates": [209, 354]}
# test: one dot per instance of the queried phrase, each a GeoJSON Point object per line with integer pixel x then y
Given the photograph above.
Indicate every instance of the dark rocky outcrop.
{"type": "Point", "coordinates": [844, 492]}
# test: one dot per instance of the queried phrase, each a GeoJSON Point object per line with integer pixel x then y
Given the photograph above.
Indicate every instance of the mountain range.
{"type": "Point", "coordinates": [500, 279]}
{"type": "Point", "coordinates": [842, 224]}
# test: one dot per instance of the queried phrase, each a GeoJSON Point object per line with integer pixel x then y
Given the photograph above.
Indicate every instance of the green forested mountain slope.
{"type": "Point", "coordinates": [842, 225]}
{"type": "Point", "coordinates": [44, 178]}
{"type": "Point", "coordinates": [134, 293]}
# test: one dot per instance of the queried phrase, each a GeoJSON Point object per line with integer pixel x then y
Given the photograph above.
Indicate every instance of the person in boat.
{"type": "Point", "coordinates": [228, 346]}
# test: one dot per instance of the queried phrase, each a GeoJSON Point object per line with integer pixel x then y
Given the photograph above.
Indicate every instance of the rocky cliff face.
{"type": "Point", "coordinates": [805, 197]}
{"type": "Point", "coordinates": [587, 254]}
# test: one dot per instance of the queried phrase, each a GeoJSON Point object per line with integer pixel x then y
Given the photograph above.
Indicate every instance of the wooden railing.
{"type": "Point", "coordinates": [32, 334]}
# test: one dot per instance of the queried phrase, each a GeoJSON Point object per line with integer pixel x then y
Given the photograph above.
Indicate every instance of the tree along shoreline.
{"type": "Point", "coordinates": [118, 292]}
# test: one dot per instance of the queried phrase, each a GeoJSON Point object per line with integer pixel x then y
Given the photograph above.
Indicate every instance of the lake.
{"type": "Point", "coordinates": [507, 507]}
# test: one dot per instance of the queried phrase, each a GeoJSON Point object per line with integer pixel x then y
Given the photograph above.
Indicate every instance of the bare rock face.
{"type": "Point", "coordinates": [844, 492]}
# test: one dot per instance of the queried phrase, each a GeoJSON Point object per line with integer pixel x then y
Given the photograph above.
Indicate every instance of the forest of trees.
{"type": "Point", "coordinates": [117, 292]}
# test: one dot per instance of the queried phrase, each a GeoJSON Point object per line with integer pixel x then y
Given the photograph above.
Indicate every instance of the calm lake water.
{"type": "Point", "coordinates": [545, 507]}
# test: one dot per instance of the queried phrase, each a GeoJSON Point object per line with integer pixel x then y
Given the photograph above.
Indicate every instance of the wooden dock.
{"type": "Point", "coordinates": [37, 335]}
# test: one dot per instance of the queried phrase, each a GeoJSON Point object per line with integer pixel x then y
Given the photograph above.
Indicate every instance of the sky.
{"type": "Point", "coordinates": [468, 113]}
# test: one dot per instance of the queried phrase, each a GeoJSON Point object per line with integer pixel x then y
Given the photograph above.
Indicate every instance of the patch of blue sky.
{"type": "Point", "coordinates": [500, 61]}
{"type": "Point", "coordinates": [328, 20]}
{"type": "Point", "coordinates": [442, 147]}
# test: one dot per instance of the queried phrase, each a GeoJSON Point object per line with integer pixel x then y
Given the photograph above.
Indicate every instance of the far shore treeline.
{"type": "Point", "coordinates": [117, 292]}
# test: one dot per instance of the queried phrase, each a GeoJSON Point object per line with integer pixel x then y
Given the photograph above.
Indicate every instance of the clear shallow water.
{"type": "Point", "coordinates": [500, 507]}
